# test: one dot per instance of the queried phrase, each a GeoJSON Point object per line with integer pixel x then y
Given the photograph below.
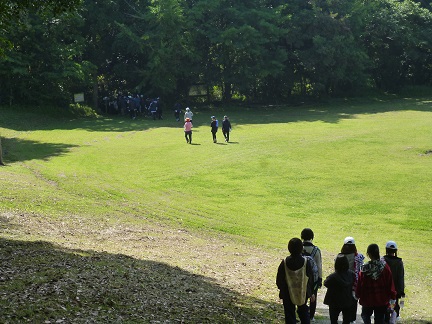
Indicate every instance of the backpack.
{"type": "Point", "coordinates": [310, 257]}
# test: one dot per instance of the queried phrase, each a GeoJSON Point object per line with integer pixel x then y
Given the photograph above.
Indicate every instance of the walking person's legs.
{"type": "Point", "coordinates": [379, 314]}
{"type": "Point", "coordinates": [312, 306]}
{"type": "Point", "coordinates": [366, 314]}
{"type": "Point", "coordinates": [289, 310]}
{"type": "Point", "coordinates": [303, 313]}
{"type": "Point", "coordinates": [334, 314]}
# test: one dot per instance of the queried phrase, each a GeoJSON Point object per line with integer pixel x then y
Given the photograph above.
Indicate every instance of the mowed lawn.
{"type": "Point", "coordinates": [348, 168]}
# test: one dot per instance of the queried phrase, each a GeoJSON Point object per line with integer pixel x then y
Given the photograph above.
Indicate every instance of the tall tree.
{"type": "Point", "coordinates": [398, 38]}
{"type": "Point", "coordinates": [41, 67]}
{"type": "Point", "coordinates": [12, 11]}
{"type": "Point", "coordinates": [238, 41]}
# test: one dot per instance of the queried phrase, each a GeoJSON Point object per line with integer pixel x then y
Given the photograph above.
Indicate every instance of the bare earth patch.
{"type": "Point", "coordinates": [83, 271]}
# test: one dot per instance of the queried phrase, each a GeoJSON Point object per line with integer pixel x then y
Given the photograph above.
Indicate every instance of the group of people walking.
{"type": "Point", "coordinates": [377, 285]}
{"type": "Point", "coordinates": [214, 126]}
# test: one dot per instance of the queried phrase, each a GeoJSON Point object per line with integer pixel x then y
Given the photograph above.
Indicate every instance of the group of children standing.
{"type": "Point", "coordinates": [377, 285]}
{"type": "Point", "coordinates": [214, 126]}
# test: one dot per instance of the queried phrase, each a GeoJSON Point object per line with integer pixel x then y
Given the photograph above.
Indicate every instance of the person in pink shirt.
{"type": "Point", "coordinates": [188, 130]}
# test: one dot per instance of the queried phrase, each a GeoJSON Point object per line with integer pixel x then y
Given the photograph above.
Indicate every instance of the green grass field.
{"type": "Point", "coordinates": [346, 168]}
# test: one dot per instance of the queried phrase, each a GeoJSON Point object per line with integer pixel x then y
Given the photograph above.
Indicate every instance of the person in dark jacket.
{"type": "Point", "coordinates": [295, 282]}
{"type": "Point", "coordinates": [355, 261]}
{"type": "Point", "coordinates": [339, 295]}
{"type": "Point", "coordinates": [307, 235]}
{"type": "Point", "coordinates": [214, 128]}
{"type": "Point", "coordinates": [226, 128]}
{"type": "Point", "coordinates": [398, 273]}
{"type": "Point", "coordinates": [375, 288]}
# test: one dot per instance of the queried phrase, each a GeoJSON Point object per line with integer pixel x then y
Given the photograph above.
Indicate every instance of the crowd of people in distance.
{"type": "Point", "coordinates": [214, 125]}
{"type": "Point", "coordinates": [134, 106]}
{"type": "Point", "coordinates": [378, 285]}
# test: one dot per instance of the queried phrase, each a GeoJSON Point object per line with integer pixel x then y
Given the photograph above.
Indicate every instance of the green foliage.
{"type": "Point", "coordinates": [79, 110]}
{"type": "Point", "coordinates": [41, 68]}
{"type": "Point", "coordinates": [260, 51]}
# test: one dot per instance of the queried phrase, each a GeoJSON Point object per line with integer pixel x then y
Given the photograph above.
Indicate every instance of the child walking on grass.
{"type": "Point", "coordinates": [295, 282]}
{"type": "Point", "coordinates": [188, 130]}
{"type": "Point", "coordinates": [339, 285]}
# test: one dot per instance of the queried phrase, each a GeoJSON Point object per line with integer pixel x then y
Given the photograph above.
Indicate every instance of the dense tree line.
{"type": "Point", "coordinates": [258, 50]}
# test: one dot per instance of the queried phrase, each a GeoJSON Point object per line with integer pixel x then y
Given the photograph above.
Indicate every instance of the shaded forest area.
{"type": "Point", "coordinates": [247, 50]}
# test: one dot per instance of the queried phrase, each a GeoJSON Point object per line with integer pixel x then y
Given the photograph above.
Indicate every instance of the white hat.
{"type": "Point", "coordinates": [349, 240]}
{"type": "Point", "coordinates": [187, 108]}
{"type": "Point", "coordinates": [391, 245]}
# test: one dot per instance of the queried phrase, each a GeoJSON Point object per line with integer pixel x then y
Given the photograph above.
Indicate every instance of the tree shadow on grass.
{"type": "Point", "coordinates": [331, 112]}
{"type": "Point", "coordinates": [42, 282]}
{"type": "Point", "coordinates": [15, 149]}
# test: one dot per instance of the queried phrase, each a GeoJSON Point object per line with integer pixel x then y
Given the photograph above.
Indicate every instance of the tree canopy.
{"type": "Point", "coordinates": [253, 50]}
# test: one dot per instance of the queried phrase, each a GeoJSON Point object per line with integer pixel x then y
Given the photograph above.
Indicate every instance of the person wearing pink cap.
{"type": "Point", "coordinates": [188, 130]}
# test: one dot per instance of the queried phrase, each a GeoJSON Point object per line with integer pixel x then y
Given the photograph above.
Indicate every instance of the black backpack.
{"type": "Point", "coordinates": [310, 257]}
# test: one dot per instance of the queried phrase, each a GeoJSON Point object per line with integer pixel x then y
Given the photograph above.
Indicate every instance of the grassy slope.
{"type": "Point", "coordinates": [357, 169]}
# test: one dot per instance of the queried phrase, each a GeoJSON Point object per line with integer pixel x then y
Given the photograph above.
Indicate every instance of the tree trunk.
{"type": "Point", "coordinates": [95, 92]}
{"type": "Point", "coordinates": [1, 153]}
{"type": "Point", "coordinates": [227, 94]}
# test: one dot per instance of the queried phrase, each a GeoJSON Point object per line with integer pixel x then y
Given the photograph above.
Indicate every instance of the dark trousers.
{"type": "Point", "coordinates": [226, 134]}
{"type": "Point", "coordinates": [334, 314]}
{"type": "Point", "coordinates": [188, 136]}
{"type": "Point", "coordinates": [290, 312]}
{"type": "Point", "coordinates": [214, 136]}
{"type": "Point", "coordinates": [353, 311]}
{"type": "Point", "coordinates": [312, 305]}
{"type": "Point", "coordinates": [379, 314]}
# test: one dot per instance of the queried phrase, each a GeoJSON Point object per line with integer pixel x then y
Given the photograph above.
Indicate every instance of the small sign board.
{"type": "Point", "coordinates": [79, 97]}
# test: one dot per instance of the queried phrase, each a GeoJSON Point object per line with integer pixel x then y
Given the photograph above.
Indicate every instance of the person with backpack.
{"type": "Point", "coordinates": [355, 261]}
{"type": "Point", "coordinates": [214, 128]}
{"type": "Point", "coordinates": [339, 285]}
{"type": "Point", "coordinates": [398, 273]}
{"type": "Point", "coordinates": [375, 288]}
{"type": "Point", "coordinates": [295, 282]}
{"type": "Point", "coordinates": [311, 250]}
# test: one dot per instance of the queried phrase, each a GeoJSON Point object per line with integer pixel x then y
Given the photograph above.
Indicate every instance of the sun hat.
{"type": "Point", "coordinates": [391, 245]}
{"type": "Point", "coordinates": [349, 240]}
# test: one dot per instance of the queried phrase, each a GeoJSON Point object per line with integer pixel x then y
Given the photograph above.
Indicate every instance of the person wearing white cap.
{"type": "Point", "coordinates": [398, 272]}
{"type": "Point", "coordinates": [355, 260]}
{"type": "Point", "coordinates": [188, 114]}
